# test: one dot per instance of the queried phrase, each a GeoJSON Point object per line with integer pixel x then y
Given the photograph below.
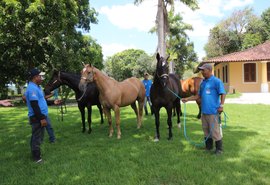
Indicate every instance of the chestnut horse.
{"type": "Point", "coordinates": [190, 87]}
{"type": "Point", "coordinates": [114, 94]}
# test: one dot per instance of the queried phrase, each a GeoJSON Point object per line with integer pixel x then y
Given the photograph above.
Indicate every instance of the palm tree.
{"type": "Point", "coordinates": [162, 20]}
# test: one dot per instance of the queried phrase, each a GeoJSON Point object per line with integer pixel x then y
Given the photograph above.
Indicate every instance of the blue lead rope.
{"type": "Point", "coordinates": [210, 133]}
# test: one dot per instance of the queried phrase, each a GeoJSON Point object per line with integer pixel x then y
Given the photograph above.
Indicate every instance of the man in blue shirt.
{"type": "Point", "coordinates": [147, 84]}
{"type": "Point", "coordinates": [37, 112]}
{"type": "Point", "coordinates": [212, 95]}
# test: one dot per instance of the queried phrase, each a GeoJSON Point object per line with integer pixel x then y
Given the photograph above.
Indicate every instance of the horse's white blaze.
{"type": "Point", "coordinates": [179, 125]}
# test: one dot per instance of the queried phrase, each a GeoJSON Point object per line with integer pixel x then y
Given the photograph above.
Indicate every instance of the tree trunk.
{"type": "Point", "coordinates": [160, 21]}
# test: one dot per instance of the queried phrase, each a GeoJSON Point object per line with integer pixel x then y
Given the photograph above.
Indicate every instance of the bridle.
{"type": "Point", "coordinates": [58, 78]}
{"type": "Point", "coordinates": [87, 78]}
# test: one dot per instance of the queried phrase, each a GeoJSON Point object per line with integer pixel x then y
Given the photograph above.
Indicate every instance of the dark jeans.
{"type": "Point", "coordinates": [147, 99]}
{"type": "Point", "coordinates": [37, 136]}
{"type": "Point", "coordinates": [50, 130]}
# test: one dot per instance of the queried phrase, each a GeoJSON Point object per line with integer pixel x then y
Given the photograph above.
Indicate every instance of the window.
{"type": "Point", "coordinates": [250, 72]}
{"type": "Point", "coordinates": [225, 74]}
{"type": "Point", "coordinates": [268, 71]}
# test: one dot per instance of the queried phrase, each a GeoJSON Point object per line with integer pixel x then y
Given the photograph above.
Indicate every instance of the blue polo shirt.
{"type": "Point", "coordinates": [147, 84]}
{"type": "Point", "coordinates": [210, 91]}
{"type": "Point", "coordinates": [34, 92]}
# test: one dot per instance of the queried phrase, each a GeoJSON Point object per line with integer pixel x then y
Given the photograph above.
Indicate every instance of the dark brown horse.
{"type": "Point", "coordinates": [190, 87]}
{"type": "Point", "coordinates": [165, 93]}
{"type": "Point", "coordinates": [114, 94]}
{"type": "Point", "coordinates": [88, 100]}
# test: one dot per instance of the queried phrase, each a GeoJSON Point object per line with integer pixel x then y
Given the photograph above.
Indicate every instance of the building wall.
{"type": "Point", "coordinates": [236, 77]}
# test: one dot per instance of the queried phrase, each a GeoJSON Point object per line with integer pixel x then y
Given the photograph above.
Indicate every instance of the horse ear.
{"type": "Point", "coordinates": [168, 57]}
{"type": "Point", "coordinates": [157, 56]}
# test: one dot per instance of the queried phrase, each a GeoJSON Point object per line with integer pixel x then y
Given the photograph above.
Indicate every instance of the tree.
{"type": "Point", "coordinates": [129, 63]}
{"type": "Point", "coordinates": [266, 24]}
{"type": "Point", "coordinates": [240, 31]}
{"type": "Point", "coordinates": [180, 49]}
{"type": "Point", "coordinates": [40, 34]}
{"type": "Point", "coordinates": [162, 20]}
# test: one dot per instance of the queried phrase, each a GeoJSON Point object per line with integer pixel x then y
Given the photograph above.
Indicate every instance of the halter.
{"type": "Point", "coordinates": [58, 78]}
{"type": "Point", "coordinates": [86, 78]}
{"type": "Point", "coordinates": [163, 75]}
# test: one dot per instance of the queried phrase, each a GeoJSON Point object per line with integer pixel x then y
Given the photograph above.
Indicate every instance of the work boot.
{"type": "Point", "coordinates": [219, 147]}
{"type": "Point", "coordinates": [208, 144]}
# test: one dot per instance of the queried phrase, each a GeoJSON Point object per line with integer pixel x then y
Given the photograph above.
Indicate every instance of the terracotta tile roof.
{"type": "Point", "coordinates": [258, 53]}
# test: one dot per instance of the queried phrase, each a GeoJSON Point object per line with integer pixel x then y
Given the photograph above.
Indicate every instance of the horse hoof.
{"type": "Point", "coordinates": [89, 131]}
{"type": "Point", "coordinates": [83, 130]}
{"type": "Point", "coordinates": [118, 137]}
{"type": "Point", "coordinates": [156, 140]}
{"type": "Point", "coordinates": [169, 138]}
{"type": "Point", "coordinates": [179, 125]}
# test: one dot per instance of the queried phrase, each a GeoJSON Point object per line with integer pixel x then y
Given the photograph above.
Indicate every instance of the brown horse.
{"type": "Point", "coordinates": [114, 94]}
{"type": "Point", "coordinates": [190, 87]}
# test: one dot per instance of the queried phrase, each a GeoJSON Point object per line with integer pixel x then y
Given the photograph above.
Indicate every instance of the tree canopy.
{"type": "Point", "coordinates": [242, 30]}
{"type": "Point", "coordinates": [128, 63]}
{"type": "Point", "coordinates": [44, 34]}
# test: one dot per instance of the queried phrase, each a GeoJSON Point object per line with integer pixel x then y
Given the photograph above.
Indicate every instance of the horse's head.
{"type": "Point", "coordinates": [53, 83]}
{"type": "Point", "coordinates": [162, 69]}
{"type": "Point", "coordinates": [87, 76]}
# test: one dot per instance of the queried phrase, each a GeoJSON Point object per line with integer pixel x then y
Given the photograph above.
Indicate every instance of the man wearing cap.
{"type": "Point", "coordinates": [212, 95]}
{"type": "Point", "coordinates": [37, 112]}
{"type": "Point", "coordinates": [147, 85]}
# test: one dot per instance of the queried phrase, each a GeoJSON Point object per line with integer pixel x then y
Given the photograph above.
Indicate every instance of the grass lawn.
{"type": "Point", "coordinates": [81, 158]}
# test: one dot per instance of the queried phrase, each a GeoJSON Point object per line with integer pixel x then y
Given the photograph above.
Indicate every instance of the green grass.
{"type": "Point", "coordinates": [80, 158]}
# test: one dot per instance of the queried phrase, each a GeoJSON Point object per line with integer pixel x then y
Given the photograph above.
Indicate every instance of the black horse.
{"type": "Point", "coordinates": [163, 93]}
{"type": "Point", "coordinates": [86, 99]}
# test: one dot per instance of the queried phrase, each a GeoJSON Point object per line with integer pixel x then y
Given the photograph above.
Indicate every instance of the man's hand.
{"type": "Point", "coordinates": [6, 103]}
{"type": "Point", "coordinates": [57, 102]}
{"type": "Point", "coordinates": [43, 122]}
{"type": "Point", "coordinates": [184, 100]}
{"type": "Point", "coordinates": [220, 109]}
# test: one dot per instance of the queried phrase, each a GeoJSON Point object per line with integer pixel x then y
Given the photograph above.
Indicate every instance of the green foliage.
{"type": "Point", "coordinates": [44, 34]}
{"type": "Point", "coordinates": [242, 30]}
{"type": "Point", "coordinates": [128, 63]}
{"type": "Point", "coordinates": [179, 47]}
{"type": "Point", "coordinates": [266, 24]}
{"type": "Point", "coordinates": [80, 158]}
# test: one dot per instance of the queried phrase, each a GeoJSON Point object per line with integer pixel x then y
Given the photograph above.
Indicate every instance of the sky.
{"type": "Point", "coordinates": [122, 25]}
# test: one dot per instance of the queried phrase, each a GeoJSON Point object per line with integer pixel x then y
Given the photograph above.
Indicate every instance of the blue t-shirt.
{"type": "Point", "coordinates": [210, 91]}
{"type": "Point", "coordinates": [34, 92]}
{"type": "Point", "coordinates": [147, 84]}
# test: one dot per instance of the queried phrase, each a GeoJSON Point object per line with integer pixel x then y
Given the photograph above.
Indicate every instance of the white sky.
{"type": "Point", "coordinates": [122, 25]}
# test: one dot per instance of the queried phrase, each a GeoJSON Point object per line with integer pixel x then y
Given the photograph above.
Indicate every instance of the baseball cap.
{"type": "Point", "coordinates": [33, 72]}
{"type": "Point", "coordinates": [206, 66]}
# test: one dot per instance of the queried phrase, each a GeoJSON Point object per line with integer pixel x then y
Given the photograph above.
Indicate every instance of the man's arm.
{"type": "Point", "coordinates": [191, 98]}
{"type": "Point", "coordinates": [222, 101]}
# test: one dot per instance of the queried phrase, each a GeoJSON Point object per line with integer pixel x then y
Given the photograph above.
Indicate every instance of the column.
{"type": "Point", "coordinates": [264, 84]}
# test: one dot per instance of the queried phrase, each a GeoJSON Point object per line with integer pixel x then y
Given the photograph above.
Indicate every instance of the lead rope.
{"type": "Point", "coordinates": [210, 133]}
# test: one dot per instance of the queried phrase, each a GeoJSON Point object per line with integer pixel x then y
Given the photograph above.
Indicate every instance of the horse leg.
{"type": "Point", "coordinates": [117, 121]}
{"type": "Point", "coordinates": [169, 121]}
{"type": "Point", "coordinates": [101, 113]}
{"type": "Point", "coordinates": [178, 108]}
{"type": "Point", "coordinates": [89, 107]}
{"type": "Point", "coordinates": [134, 107]}
{"type": "Point", "coordinates": [199, 106]}
{"type": "Point", "coordinates": [140, 116]}
{"type": "Point", "coordinates": [81, 108]}
{"type": "Point", "coordinates": [156, 112]}
{"type": "Point", "coordinates": [109, 117]}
